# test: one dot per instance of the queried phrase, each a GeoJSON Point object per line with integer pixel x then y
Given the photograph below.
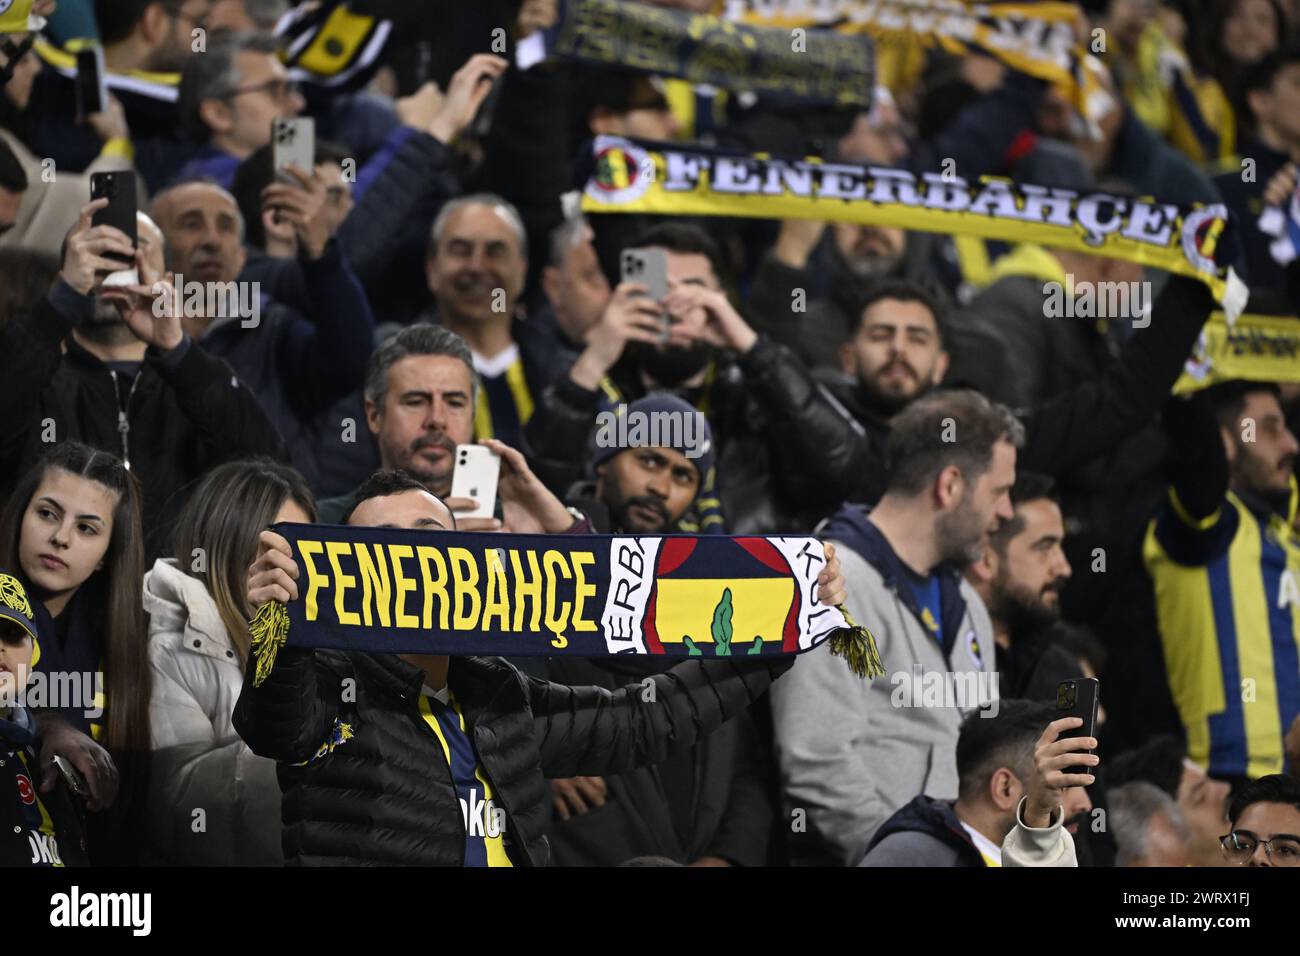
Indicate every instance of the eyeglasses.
{"type": "Point", "coordinates": [279, 90]}
{"type": "Point", "coordinates": [1239, 847]}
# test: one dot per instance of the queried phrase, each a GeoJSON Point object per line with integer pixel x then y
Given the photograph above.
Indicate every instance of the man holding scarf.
{"type": "Point", "coordinates": [357, 734]}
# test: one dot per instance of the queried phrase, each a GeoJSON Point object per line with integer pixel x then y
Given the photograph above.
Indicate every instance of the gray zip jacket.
{"type": "Point", "coordinates": [853, 751]}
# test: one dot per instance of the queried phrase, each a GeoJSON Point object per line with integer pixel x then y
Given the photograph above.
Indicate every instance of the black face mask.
{"type": "Point", "coordinates": [671, 366]}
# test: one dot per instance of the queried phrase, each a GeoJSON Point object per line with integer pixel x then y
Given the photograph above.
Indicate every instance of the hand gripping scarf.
{"type": "Point", "coordinates": [392, 591]}
{"type": "Point", "coordinates": [635, 177]}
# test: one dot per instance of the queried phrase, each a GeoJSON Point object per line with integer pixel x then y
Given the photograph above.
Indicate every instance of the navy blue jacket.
{"type": "Point", "coordinates": [934, 818]}
{"type": "Point", "coordinates": [299, 364]}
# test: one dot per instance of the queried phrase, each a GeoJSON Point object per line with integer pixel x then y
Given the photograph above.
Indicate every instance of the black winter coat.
{"type": "Point", "coordinates": [182, 419]}
{"type": "Point", "coordinates": [386, 796]}
{"type": "Point", "coordinates": [780, 438]}
{"type": "Point", "coordinates": [729, 808]}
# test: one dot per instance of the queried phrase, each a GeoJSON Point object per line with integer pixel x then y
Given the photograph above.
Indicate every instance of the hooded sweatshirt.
{"type": "Point", "coordinates": [854, 751]}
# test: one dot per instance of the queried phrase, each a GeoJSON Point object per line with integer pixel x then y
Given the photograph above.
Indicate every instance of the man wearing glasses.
{"type": "Point", "coordinates": [1265, 819]}
{"type": "Point", "coordinates": [228, 99]}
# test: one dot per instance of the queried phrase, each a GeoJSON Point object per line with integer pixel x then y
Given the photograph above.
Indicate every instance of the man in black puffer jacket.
{"type": "Point", "coordinates": [442, 761]}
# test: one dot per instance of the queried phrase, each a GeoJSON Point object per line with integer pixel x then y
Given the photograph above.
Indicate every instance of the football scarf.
{"type": "Point", "coordinates": [391, 591]}
{"type": "Point", "coordinates": [663, 179]}
{"type": "Point", "coordinates": [818, 65]}
{"type": "Point", "coordinates": [1258, 348]}
{"type": "Point", "coordinates": [1034, 38]}
{"type": "Point", "coordinates": [332, 45]}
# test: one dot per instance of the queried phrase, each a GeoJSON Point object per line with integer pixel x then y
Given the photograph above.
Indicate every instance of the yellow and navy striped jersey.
{"type": "Point", "coordinates": [1229, 617]}
{"type": "Point", "coordinates": [505, 402]}
{"type": "Point", "coordinates": [485, 821]}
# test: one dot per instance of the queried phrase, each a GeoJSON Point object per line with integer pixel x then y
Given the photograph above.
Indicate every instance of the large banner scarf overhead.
{"type": "Point", "coordinates": [633, 177]}
{"type": "Point", "coordinates": [1258, 348]}
{"type": "Point", "coordinates": [394, 591]}
{"type": "Point", "coordinates": [821, 65]}
{"type": "Point", "coordinates": [1034, 38]}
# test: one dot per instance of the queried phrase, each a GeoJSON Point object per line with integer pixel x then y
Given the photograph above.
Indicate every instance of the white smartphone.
{"type": "Point", "coordinates": [475, 476]}
{"type": "Point", "coordinates": [293, 142]}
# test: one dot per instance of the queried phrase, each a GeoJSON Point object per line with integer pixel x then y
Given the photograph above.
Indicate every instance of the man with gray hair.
{"type": "Point", "coordinates": [476, 266]}
{"type": "Point", "coordinates": [1148, 827]}
{"type": "Point", "coordinates": [853, 752]}
{"type": "Point", "coordinates": [229, 97]}
{"type": "Point", "coordinates": [420, 396]}
{"type": "Point", "coordinates": [577, 292]}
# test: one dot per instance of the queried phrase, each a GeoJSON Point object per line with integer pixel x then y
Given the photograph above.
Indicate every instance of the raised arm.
{"type": "Point", "coordinates": [1092, 419]}
{"type": "Point", "coordinates": [291, 712]}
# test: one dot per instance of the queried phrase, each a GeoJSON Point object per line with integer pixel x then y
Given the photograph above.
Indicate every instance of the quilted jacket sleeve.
{"type": "Point", "coordinates": [591, 731]}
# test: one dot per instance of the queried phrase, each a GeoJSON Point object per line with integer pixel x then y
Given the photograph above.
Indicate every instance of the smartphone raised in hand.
{"type": "Point", "coordinates": [648, 267]}
{"type": "Point", "coordinates": [1078, 698]}
{"type": "Point", "coordinates": [477, 471]}
{"type": "Point", "coordinates": [118, 187]}
{"type": "Point", "coordinates": [293, 143]}
{"type": "Point", "coordinates": [91, 88]}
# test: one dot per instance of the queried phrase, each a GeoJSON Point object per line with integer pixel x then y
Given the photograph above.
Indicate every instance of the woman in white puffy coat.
{"type": "Point", "coordinates": [212, 801]}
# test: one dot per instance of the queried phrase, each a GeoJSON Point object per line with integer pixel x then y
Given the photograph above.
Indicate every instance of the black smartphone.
{"type": "Point", "coordinates": [92, 92]}
{"type": "Point", "coordinates": [1078, 698]}
{"type": "Point", "coordinates": [118, 188]}
{"type": "Point", "coordinates": [481, 125]}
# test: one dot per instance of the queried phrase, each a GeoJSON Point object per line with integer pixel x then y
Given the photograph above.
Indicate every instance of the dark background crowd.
{"type": "Point", "coordinates": [431, 282]}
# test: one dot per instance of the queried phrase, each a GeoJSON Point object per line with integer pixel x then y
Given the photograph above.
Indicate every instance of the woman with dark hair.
{"type": "Point", "coordinates": [71, 533]}
{"type": "Point", "coordinates": [1236, 35]}
{"type": "Point", "coordinates": [198, 646]}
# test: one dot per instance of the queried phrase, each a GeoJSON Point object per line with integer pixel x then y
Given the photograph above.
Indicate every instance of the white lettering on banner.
{"type": "Point", "coordinates": [806, 558]}
{"type": "Point", "coordinates": [1097, 216]}
{"type": "Point", "coordinates": [631, 578]}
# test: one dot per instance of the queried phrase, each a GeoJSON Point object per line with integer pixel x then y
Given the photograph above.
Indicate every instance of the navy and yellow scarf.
{"type": "Point", "coordinates": [392, 591]}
